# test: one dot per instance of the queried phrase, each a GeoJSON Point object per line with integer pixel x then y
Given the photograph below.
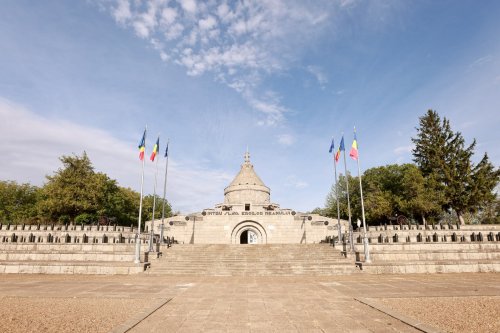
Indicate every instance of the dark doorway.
{"type": "Point", "coordinates": [244, 237]}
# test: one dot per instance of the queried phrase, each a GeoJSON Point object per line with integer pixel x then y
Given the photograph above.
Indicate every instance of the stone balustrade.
{"type": "Point", "coordinates": [65, 227]}
{"type": "Point", "coordinates": [382, 235]}
{"type": "Point", "coordinates": [69, 234]}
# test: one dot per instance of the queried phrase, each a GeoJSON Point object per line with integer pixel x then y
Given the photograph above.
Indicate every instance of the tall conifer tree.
{"type": "Point", "coordinates": [441, 154]}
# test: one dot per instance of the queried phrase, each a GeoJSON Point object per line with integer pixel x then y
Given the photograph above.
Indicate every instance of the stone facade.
{"type": "Point", "coordinates": [247, 216]}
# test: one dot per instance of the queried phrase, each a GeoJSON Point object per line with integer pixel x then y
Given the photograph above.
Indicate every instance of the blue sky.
{"type": "Point", "coordinates": [281, 77]}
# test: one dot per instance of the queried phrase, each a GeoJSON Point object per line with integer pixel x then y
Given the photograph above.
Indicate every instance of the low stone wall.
{"type": "Point", "coordinates": [70, 234]}
{"type": "Point", "coordinates": [429, 236]}
{"type": "Point", "coordinates": [66, 227]}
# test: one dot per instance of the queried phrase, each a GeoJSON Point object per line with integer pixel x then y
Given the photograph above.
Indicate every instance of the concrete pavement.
{"type": "Point", "coordinates": [253, 304]}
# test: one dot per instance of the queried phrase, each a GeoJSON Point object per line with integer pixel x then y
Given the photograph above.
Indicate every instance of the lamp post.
{"type": "Point", "coordinates": [194, 223]}
{"type": "Point", "coordinates": [309, 218]}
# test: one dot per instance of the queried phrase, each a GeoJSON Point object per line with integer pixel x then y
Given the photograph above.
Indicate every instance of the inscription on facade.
{"type": "Point", "coordinates": [178, 223]}
{"type": "Point", "coordinates": [248, 213]}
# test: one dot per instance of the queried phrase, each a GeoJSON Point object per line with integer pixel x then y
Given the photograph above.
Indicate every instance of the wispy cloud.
{"type": "Point", "coordinates": [293, 181]}
{"type": "Point", "coordinates": [286, 139]}
{"type": "Point", "coordinates": [240, 43]}
{"type": "Point", "coordinates": [319, 74]}
{"type": "Point", "coordinates": [481, 61]}
{"type": "Point", "coordinates": [403, 149]}
{"type": "Point", "coordinates": [31, 146]}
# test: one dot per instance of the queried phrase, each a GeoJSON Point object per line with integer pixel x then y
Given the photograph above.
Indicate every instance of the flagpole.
{"type": "Point", "coordinates": [137, 259]}
{"type": "Point", "coordinates": [347, 189]}
{"type": "Point", "coordinates": [365, 237]}
{"type": "Point", "coordinates": [164, 194]}
{"type": "Point", "coordinates": [337, 197]}
{"type": "Point", "coordinates": [151, 234]}
{"type": "Point", "coordinates": [338, 204]}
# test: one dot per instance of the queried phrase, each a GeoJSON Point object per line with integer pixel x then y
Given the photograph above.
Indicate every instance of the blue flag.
{"type": "Point", "coordinates": [331, 147]}
{"type": "Point", "coordinates": [342, 148]}
{"type": "Point", "coordinates": [166, 151]}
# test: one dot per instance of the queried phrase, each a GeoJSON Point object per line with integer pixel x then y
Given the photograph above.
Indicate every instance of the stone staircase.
{"type": "Point", "coordinates": [253, 260]}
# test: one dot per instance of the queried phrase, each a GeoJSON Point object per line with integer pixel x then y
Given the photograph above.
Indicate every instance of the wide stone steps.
{"type": "Point", "coordinates": [253, 260]}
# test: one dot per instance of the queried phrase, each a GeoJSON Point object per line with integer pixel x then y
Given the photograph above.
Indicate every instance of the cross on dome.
{"type": "Point", "coordinates": [247, 157]}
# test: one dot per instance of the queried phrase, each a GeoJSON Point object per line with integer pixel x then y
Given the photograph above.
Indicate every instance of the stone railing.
{"type": "Point", "coordinates": [70, 234]}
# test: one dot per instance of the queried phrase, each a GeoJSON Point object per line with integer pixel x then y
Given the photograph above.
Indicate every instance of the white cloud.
{"type": "Point", "coordinates": [207, 23]}
{"type": "Point", "coordinates": [270, 105]}
{"type": "Point", "coordinates": [319, 74]}
{"type": "Point", "coordinates": [481, 61]}
{"type": "Point", "coordinates": [403, 149]}
{"type": "Point", "coordinates": [168, 16]}
{"type": "Point", "coordinates": [31, 146]}
{"type": "Point", "coordinates": [286, 139]}
{"type": "Point", "coordinates": [121, 12]}
{"type": "Point", "coordinates": [293, 181]}
{"type": "Point", "coordinates": [188, 5]}
{"type": "Point", "coordinates": [240, 43]}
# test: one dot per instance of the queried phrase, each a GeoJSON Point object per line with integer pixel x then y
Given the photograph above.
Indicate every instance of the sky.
{"type": "Point", "coordinates": [215, 78]}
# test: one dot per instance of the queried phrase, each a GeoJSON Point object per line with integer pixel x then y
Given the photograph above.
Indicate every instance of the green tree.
{"type": "Point", "coordinates": [388, 190]}
{"type": "Point", "coordinates": [18, 202]}
{"type": "Point", "coordinates": [76, 190]}
{"type": "Point", "coordinates": [126, 206]}
{"type": "Point", "coordinates": [418, 199]}
{"type": "Point", "coordinates": [354, 198]}
{"type": "Point", "coordinates": [147, 208]}
{"type": "Point", "coordinates": [441, 155]}
{"type": "Point", "coordinates": [69, 192]}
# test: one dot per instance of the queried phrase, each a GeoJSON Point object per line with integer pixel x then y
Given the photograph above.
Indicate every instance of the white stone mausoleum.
{"type": "Point", "coordinates": [247, 216]}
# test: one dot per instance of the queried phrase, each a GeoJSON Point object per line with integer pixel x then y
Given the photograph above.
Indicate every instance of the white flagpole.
{"type": "Point", "coordinates": [347, 189]}
{"type": "Point", "coordinates": [151, 234]}
{"type": "Point", "coordinates": [337, 196]}
{"type": "Point", "coordinates": [164, 193]}
{"type": "Point", "coordinates": [365, 237]}
{"type": "Point", "coordinates": [137, 259]}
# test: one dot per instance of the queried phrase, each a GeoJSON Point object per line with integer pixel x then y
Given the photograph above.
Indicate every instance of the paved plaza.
{"type": "Point", "coordinates": [148, 303]}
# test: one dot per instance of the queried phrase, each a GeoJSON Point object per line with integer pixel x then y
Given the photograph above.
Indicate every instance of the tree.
{"type": "Point", "coordinates": [76, 190]}
{"type": "Point", "coordinates": [398, 189]}
{"type": "Point", "coordinates": [126, 206]}
{"type": "Point", "coordinates": [418, 197]}
{"type": "Point", "coordinates": [442, 156]}
{"type": "Point", "coordinates": [388, 190]}
{"type": "Point", "coordinates": [147, 208]}
{"type": "Point", "coordinates": [73, 190]}
{"type": "Point", "coordinates": [17, 202]}
{"type": "Point", "coordinates": [354, 198]}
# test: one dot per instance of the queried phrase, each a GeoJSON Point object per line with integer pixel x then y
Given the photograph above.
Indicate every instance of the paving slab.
{"type": "Point", "coordinates": [360, 303]}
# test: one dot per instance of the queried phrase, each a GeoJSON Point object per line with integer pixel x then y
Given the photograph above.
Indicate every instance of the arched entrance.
{"type": "Point", "coordinates": [249, 237]}
{"type": "Point", "coordinates": [248, 232]}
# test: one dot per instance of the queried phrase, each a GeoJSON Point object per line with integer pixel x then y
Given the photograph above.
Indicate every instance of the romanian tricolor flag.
{"type": "Point", "coordinates": [155, 149]}
{"type": "Point", "coordinates": [142, 146]}
{"type": "Point", "coordinates": [354, 149]}
{"type": "Point", "coordinates": [341, 148]}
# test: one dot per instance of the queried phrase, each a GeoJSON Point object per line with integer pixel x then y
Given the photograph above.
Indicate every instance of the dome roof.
{"type": "Point", "coordinates": [247, 175]}
{"type": "Point", "coordinates": [247, 187]}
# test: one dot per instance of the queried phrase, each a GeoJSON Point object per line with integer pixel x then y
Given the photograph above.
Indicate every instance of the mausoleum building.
{"type": "Point", "coordinates": [247, 216]}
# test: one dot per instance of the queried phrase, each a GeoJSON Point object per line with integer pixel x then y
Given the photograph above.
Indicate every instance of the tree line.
{"type": "Point", "coordinates": [75, 193]}
{"type": "Point", "coordinates": [443, 181]}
